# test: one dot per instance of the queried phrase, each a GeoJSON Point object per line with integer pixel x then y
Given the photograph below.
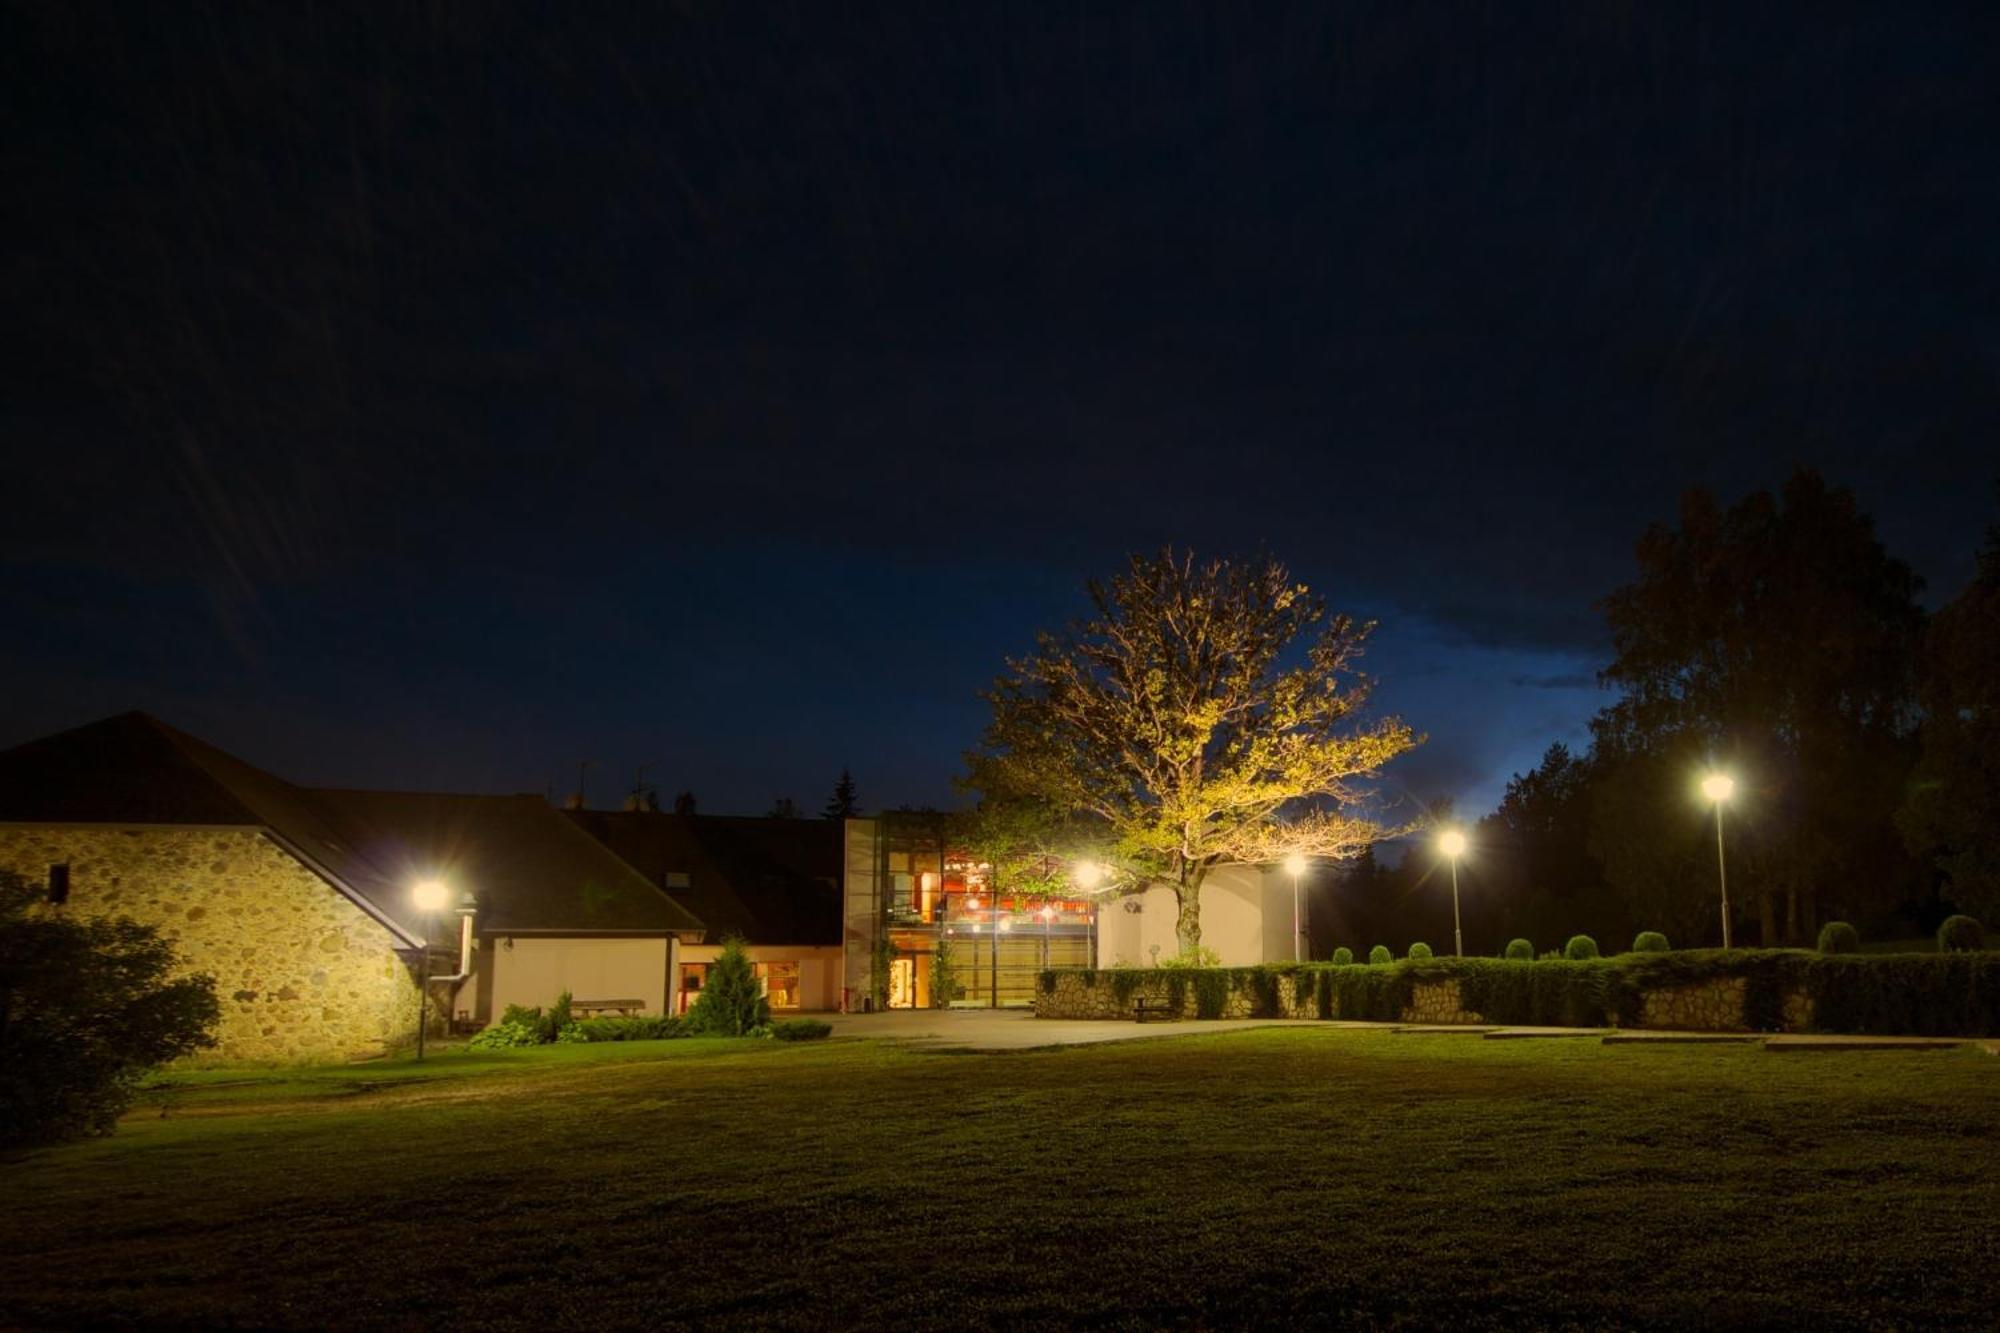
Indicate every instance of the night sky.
{"type": "Point", "coordinates": [436, 399]}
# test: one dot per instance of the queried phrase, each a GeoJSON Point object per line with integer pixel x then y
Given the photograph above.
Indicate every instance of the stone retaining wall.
{"type": "Point", "coordinates": [1711, 1006]}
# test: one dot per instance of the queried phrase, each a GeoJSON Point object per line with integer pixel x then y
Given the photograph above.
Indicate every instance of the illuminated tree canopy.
{"type": "Point", "coordinates": [1171, 731]}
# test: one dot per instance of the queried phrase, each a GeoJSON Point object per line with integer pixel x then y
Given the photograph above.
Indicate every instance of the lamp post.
{"type": "Point", "coordinates": [1088, 875]}
{"type": "Point", "coordinates": [1718, 788]}
{"type": "Point", "coordinates": [1048, 936]}
{"type": "Point", "coordinates": [1295, 866]}
{"type": "Point", "coordinates": [1452, 843]}
{"type": "Point", "coordinates": [430, 897]}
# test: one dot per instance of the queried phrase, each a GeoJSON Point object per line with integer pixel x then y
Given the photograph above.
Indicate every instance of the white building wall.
{"type": "Point", "coordinates": [533, 970]}
{"type": "Point", "coordinates": [1246, 918]}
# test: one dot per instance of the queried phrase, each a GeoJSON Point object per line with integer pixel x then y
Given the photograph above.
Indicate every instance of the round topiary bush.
{"type": "Point", "coordinates": [1838, 937]}
{"type": "Point", "coordinates": [1380, 954]}
{"type": "Point", "coordinates": [1960, 934]}
{"type": "Point", "coordinates": [1521, 950]}
{"type": "Point", "coordinates": [1343, 956]}
{"type": "Point", "coordinates": [1650, 941]}
{"type": "Point", "coordinates": [1580, 946]}
{"type": "Point", "coordinates": [1419, 951]}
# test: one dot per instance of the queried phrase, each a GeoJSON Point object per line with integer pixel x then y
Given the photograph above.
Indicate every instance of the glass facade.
{"type": "Point", "coordinates": [932, 893]}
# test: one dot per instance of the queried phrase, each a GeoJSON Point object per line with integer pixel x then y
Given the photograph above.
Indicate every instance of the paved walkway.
{"type": "Point", "coordinates": [1020, 1030]}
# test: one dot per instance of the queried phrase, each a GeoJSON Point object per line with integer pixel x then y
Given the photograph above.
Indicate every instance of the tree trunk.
{"type": "Point", "coordinates": [1767, 921]}
{"type": "Point", "coordinates": [1187, 923]}
{"type": "Point", "coordinates": [1791, 915]}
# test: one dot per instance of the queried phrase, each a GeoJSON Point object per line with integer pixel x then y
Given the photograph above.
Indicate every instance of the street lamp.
{"type": "Point", "coordinates": [1295, 866]}
{"type": "Point", "coordinates": [430, 897]}
{"type": "Point", "coordinates": [1088, 875]}
{"type": "Point", "coordinates": [1452, 843]}
{"type": "Point", "coordinates": [1718, 788]}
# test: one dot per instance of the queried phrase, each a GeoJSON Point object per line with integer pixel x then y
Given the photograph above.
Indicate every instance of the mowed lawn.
{"type": "Point", "coordinates": [1248, 1178]}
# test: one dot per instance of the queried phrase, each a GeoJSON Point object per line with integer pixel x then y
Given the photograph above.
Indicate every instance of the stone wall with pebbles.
{"type": "Point", "coordinates": [302, 974]}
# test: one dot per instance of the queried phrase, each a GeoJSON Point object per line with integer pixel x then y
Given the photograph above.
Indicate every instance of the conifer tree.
{"type": "Point", "coordinates": [844, 803]}
{"type": "Point", "coordinates": [732, 1002]}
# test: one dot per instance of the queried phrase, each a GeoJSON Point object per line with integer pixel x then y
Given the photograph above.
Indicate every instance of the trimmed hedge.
{"type": "Point", "coordinates": [1838, 937]}
{"type": "Point", "coordinates": [1955, 994]}
{"type": "Point", "coordinates": [1419, 951]}
{"type": "Point", "coordinates": [1960, 934]}
{"type": "Point", "coordinates": [1380, 954]}
{"type": "Point", "coordinates": [1579, 948]}
{"type": "Point", "coordinates": [1650, 941]}
{"type": "Point", "coordinates": [1343, 956]}
{"type": "Point", "coordinates": [1521, 950]}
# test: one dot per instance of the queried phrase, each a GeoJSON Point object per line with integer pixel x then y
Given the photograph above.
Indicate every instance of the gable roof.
{"type": "Point", "coordinates": [772, 881]}
{"type": "Point", "coordinates": [529, 868]}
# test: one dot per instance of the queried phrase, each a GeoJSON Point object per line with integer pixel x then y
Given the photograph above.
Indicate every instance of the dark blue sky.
{"type": "Point", "coordinates": [422, 401]}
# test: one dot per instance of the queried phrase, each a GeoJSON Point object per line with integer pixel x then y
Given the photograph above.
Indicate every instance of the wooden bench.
{"type": "Point", "coordinates": [1152, 1011]}
{"type": "Point", "coordinates": [597, 1008]}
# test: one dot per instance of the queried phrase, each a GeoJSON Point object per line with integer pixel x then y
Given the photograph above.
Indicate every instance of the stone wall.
{"type": "Point", "coordinates": [302, 974]}
{"type": "Point", "coordinates": [1710, 1006]}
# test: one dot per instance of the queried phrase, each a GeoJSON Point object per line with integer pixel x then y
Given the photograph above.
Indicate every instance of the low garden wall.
{"type": "Point", "coordinates": [1742, 990]}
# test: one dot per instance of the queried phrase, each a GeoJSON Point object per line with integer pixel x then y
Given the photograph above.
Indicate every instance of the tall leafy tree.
{"type": "Point", "coordinates": [1952, 814]}
{"type": "Point", "coordinates": [1777, 638]}
{"type": "Point", "coordinates": [845, 803]}
{"type": "Point", "coordinates": [1172, 725]}
{"type": "Point", "coordinates": [1532, 855]}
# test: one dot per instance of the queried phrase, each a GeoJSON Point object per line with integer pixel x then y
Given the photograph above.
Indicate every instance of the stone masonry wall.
{"type": "Point", "coordinates": [1711, 1006]}
{"type": "Point", "coordinates": [301, 973]}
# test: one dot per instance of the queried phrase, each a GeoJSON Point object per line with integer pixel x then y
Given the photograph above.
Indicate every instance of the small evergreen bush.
{"type": "Point", "coordinates": [1838, 937]}
{"type": "Point", "coordinates": [732, 1003]}
{"type": "Point", "coordinates": [504, 1035]}
{"type": "Point", "coordinates": [1343, 956]}
{"type": "Point", "coordinates": [1961, 934]}
{"type": "Point", "coordinates": [1419, 951]}
{"type": "Point", "coordinates": [1380, 954]}
{"type": "Point", "coordinates": [1521, 951]}
{"type": "Point", "coordinates": [801, 1029]}
{"type": "Point", "coordinates": [1579, 948]}
{"type": "Point", "coordinates": [1650, 941]}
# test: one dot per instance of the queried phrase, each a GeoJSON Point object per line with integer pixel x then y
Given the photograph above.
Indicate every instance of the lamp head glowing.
{"type": "Point", "coordinates": [1452, 843]}
{"type": "Point", "coordinates": [1718, 787]}
{"type": "Point", "coordinates": [1087, 874]}
{"type": "Point", "coordinates": [1295, 864]}
{"type": "Point", "coordinates": [430, 895]}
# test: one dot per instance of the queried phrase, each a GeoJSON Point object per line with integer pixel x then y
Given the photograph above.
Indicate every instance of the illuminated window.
{"type": "Point", "coordinates": [781, 983]}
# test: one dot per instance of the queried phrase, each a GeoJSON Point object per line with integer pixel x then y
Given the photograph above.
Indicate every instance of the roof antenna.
{"type": "Point", "coordinates": [638, 799]}
{"type": "Point", "coordinates": [576, 801]}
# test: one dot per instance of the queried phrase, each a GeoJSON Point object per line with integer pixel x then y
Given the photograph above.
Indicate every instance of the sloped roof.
{"type": "Point", "coordinates": [772, 881]}
{"type": "Point", "coordinates": [529, 868]}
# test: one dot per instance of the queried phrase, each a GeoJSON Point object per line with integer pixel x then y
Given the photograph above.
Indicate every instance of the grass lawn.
{"type": "Point", "coordinates": [1230, 1178]}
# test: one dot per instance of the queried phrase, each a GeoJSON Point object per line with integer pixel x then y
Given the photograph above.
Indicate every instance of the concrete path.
{"type": "Point", "coordinates": [1020, 1030]}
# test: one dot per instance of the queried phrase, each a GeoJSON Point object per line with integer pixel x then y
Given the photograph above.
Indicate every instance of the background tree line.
{"type": "Point", "coordinates": [1778, 640]}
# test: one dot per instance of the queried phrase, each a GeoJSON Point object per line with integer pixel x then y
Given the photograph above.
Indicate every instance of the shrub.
{"type": "Point", "coordinates": [944, 976]}
{"type": "Point", "coordinates": [542, 1026]}
{"type": "Point", "coordinates": [1838, 937]}
{"type": "Point", "coordinates": [1380, 954]}
{"type": "Point", "coordinates": [732, 1004]}
{"type": "Point", "coordinates": [506, 1034]}
{"type": "Point", "coordinates": [1650, 941]}
{"type": "Point", "coordinates": [1521, 951]}
{"type": "Point", "coordinates": [1343, 956]}
{"type": "Point", "coordinates": [1579, 948]}
{"type": "Point", "coordinates": [1199, 956]}
{"type": "Point", "coordinates": [1960, 934]}
{"type": "Point", "coordinates": [644, 1027]}
{"type": "Point", "coordinates": [1419, 951]}
{"type": "Point", "coordinates": [801, 1029]}
{"type": "Point", "coordinates": [86, 1008]}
